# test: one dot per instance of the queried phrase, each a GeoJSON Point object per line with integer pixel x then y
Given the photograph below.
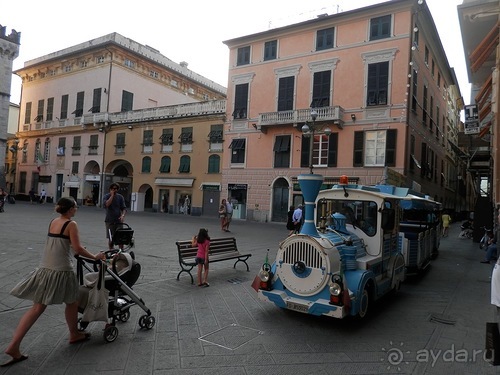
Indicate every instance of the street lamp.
{"type": "Point", "coordinates": [308, 131]}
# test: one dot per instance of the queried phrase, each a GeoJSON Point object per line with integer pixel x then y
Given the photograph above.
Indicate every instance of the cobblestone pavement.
{"type": "Point", "coordinates": [434, 325]}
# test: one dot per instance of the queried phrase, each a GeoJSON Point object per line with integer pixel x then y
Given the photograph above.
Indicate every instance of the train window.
{"type": "Point", "coordinates": [360, 214]}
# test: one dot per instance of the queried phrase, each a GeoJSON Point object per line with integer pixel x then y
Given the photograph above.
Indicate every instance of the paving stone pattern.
{"type": "Point", "coordinates": [224, 329]}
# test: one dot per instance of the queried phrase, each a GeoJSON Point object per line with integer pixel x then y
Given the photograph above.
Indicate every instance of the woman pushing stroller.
{"type": "Point", "coordinates": [54, 281]}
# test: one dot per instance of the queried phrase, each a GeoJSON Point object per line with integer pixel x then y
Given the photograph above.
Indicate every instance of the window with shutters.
{"type": "Point", "coordinates": [167, 140]}
{"type": "Point", "coordinates": [286, 87]}
{"type": "Point", "coordinates": [64, 107]}
{"type": "Point", "coordinates": [324, 151]}
{"type": "Point", "coordinates": [375, 148]}
{"type": "Point", "coordinates": [237, 147]}
{"type": "Point", "coordinates": [120, 143]}
{"type": "Point", "coordinates": [127, 101]}
{"type": "Point", "coordinates": [185, 164]}
{"type": "Point", "coordinates": [147, 141]}
{"type": "Point", "coordinates": [77, 144]}
{"type": "Point", "coordinates": [146, 165]}
{"type": "Point", "coordinates": [165, 164]}
{"type": "Point", "coordinates": [27, 113]}
{"type": "Point", "coordinates": [186, 139]}
{"type": "Point", "coordinates": [215, 137]}
{"type": "Point", "coordinates": [80, 96]}
{"type": "Point", "coordinates": [270, 50]}
{"type": "Point", "coordinates": [50, 109]}
{"type": "Point", "coordinates": [282, 151]}
{"type": "Point", "coordinates": [378, 81]}
{"type": "Point", "coordinates": [380, 27]}
{"type": "Point", "coordinates": [321, 89]}
{"type": "Point", "coordinates": [243, 56]}
{"type": "Point", "coordinates": [94, 145]}
{"type": "Point", "coordinates": [325, 39]}
{"type": "Point", "coordinates": [214, 164]}
{"type": "Point", "coordinates": [240, 101]}
{"type": "Point", "coordinates": [96, 101]}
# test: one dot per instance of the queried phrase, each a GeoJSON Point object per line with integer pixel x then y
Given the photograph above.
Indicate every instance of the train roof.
{"type": "Point", "coordinates": [411, 199]}
{"type": "Point", "coordinates": [372, 191]}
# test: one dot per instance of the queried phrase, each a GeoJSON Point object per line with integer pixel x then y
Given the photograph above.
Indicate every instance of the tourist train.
{"type": "Point", "coordinates": [356, 245]}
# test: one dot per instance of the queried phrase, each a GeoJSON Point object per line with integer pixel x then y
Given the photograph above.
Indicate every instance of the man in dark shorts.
{"type": "Point", "coordinates": [114, 203]}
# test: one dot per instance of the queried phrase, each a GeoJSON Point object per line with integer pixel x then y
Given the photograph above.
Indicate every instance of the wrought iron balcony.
{"type": "Point", "coordinates": [334, 114]}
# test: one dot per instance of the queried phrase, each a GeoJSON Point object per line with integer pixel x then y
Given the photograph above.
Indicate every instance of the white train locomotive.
{"type": "Point", "coordinates": [350, 256]}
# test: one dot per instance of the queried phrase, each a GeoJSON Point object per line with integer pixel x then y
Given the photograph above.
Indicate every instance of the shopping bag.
{"type": "Point", "coordinates": [492, 344]}
{"type": "Point", "coordinates": [97, 304]}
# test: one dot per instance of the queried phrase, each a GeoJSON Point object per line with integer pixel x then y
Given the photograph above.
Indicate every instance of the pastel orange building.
{"type": "Point", "coordinates": [376, 91]}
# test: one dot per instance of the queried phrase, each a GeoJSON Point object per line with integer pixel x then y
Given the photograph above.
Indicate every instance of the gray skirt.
{"type": "Point", "coordinates": [48, 287]}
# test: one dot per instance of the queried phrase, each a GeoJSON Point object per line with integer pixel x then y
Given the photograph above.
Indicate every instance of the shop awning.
{"type": "Point", "coordinates": [181, 182]}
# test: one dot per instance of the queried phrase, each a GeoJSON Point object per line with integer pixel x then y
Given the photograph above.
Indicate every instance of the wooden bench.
{"type": "Point", "coordinates": [220, 249]}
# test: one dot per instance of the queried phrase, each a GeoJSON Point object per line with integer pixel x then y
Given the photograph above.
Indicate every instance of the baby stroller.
{"type": "Point", "coordinates": [120, 277]}
{"type": "Point", "coordinates": [123, 237]}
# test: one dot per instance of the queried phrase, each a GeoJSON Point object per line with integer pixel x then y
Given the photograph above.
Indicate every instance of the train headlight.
{"type": "Point", "coordinates": [335, 289]}
{"type": "Point", "coordinates": [264, 275]}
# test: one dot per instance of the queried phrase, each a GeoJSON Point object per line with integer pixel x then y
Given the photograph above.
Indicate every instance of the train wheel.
{"type": "Point", "coordinates": [364, 303]}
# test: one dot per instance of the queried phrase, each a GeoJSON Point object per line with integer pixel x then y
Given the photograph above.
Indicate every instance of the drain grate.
{"type": "Point", "coordinates": [232, 336]}
{"type": "Point", "coordinates": [236, 280]}
{"type": "Point", "coordinates": [442, 319]}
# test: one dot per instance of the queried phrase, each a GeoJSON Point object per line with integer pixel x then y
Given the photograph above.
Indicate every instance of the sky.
{"type": "Point", "coordinates": [188, 30]}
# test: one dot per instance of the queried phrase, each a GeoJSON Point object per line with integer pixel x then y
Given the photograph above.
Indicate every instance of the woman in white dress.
{"type": "Point", "coordinates": [54, 281]}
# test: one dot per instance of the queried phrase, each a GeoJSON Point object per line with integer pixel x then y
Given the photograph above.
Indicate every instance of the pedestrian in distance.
{"type": "Point", "coordinates": [289, 221]}
{"type": "Point", "coordinates": [43, 196]}
{"type": "Point", "coordinates": [222, 215]}
{"type": "Point", "coordinates": [54, 281]}
{"type": "Point", "coordinates": [297, 218]}
{"type": "Point", "coordinates": [229, 215]}
{"type": "Point", "coordinates": [114, 203]}
{"type": "Point", "coordinates": [202, 240]}
{"type": "Point", "coordinates": [32, 196]}
{"type": "Point", "coordinates": [446, 220]}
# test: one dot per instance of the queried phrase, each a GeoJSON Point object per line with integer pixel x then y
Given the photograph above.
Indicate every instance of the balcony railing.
{"type": "Point", "coordinates": [181, 110]}
{"type": "Point", "coordinates": [148, 114]}
{"type": "Point", "coordinates": [334, 114]}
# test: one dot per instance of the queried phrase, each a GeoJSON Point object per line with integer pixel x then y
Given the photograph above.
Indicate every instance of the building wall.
{"type": "Point", "coordinates": [114, 64]}
{"type": "Point", "coordinates": [348, 61]}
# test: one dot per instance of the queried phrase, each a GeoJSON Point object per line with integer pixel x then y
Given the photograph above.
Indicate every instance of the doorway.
{"type": "Point", "coordinates": [280, 200]}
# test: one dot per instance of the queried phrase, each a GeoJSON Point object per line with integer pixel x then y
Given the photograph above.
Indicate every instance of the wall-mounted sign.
{"type": "Point", "coordinates": [471, 125]}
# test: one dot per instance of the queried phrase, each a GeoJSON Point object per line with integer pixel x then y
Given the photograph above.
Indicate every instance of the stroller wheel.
{"type": "Point", "coordinates": [147, 322]}
{"type": "Point", "coordinates": [142, 321]}
{"type": "Point", "coordinates": [124, 316]}
{"type": "Point", "coordinates": [110, 333]}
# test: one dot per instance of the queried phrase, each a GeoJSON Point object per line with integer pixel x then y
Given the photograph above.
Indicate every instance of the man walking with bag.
{"type": "Point", "coordinates": [114, 203]}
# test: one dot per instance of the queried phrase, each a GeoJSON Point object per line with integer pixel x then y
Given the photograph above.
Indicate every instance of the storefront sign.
{"type": "Point", "coordinates": [237, 186]}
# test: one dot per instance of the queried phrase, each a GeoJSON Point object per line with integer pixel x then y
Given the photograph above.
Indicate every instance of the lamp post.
{"type": "Point", "coordinates": [309, 132]}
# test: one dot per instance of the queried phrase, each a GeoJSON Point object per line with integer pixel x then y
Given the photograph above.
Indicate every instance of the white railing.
{"type": "Point", "coordinates": [334, 113]}
{"type": "Point", "coordinates": [148, 114]}
{"type": "Point", "coordinates": [180, 110]}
